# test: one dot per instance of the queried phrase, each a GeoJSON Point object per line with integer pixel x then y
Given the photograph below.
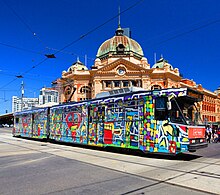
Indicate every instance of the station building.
{"type": "Point", "coordinates": [120, 63]}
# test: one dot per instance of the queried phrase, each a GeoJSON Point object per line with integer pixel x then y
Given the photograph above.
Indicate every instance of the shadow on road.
{"type": "Point", "coordinates": [182, 156]}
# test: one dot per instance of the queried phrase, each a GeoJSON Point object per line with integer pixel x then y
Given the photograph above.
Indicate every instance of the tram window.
{"type": "Point", "coordinates": [176, 115]}
{"type": "Point", "coordinates": [161, 112]}
{"type": "Point", "coordinates": [93, 114]}
{"type": "Point", "coordinates": [101, 112]}
{"type": "Point", "coordinates": [115, 111]}
{"type": "Point", "coordinates": [16, 120]}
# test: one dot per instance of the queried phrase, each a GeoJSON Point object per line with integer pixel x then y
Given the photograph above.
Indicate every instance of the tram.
{"type": "Point", "coordinates": [158, 121]}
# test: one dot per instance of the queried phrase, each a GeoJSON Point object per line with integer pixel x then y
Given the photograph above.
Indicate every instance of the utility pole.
{"type": "Point", "coordinates": [22, 94]}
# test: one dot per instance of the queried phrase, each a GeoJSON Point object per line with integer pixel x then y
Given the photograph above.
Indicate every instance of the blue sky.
{"type": "Point", "coordinates": [185, 32]}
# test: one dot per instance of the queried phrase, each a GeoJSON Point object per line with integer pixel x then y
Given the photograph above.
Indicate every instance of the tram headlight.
{"type": "Point", "coordinates": [192, 141]}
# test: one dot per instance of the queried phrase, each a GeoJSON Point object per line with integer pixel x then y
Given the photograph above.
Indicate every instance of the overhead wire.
{"type": "Point", "coordinates": [190, 31]}
{"type": "Point", "coordinates": [25, 23]}
{"type": "Point", "coordinates": [84, 35]}
{"type": "Point", "coordinates": [19, 48]}
{"type": "Point", "coordinates": [71, 43]}
{"type": "Point", "coordinates": [91, 31]}
{"type": "Point", "coordinates": [195, 27]}
{"type": "Point", "coordinates": [33, 33]}
{"type": "Point", "coordinates": [32, 78]}
{"type": "Point", "coordinates": [99, 26]}
{"type": "Point", "coordinates": [70, 53]}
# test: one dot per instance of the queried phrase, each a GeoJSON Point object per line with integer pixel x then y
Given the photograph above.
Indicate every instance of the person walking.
{"type": "Point", "coordinates": [209, 134]}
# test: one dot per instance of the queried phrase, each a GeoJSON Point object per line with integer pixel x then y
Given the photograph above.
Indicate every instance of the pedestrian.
{"type": "Point", "coordinates": [215, 137]}
{"type": "Point", "coordinates": [218, 132]}
{"type": "Point", "coordinates": [209, 134]}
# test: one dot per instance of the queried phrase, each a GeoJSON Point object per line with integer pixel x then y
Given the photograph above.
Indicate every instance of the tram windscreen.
{"type": "Point", "coordinates": [185, 111]}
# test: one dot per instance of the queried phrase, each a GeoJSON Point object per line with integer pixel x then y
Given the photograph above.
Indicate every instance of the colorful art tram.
{"type": "Point", "coordinates": [151, 121]}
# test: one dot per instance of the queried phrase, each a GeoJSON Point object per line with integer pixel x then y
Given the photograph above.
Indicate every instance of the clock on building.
{"type": "Point", "coordinates": [121, 71]}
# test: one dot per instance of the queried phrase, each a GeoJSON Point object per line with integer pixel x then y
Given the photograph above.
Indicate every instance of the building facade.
{"type": "Point", "coordinates": [48, 95]}
{"type": "Point", "coordinates": [120, 63]}
{"type": "Point", "coordinates": [19, 104]}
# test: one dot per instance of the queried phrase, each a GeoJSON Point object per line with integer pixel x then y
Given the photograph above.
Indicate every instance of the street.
{"type": "Point", "coordinates": [39, 167]}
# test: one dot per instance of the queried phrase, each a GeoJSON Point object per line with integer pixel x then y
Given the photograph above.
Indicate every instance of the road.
{"type": "Point", "coordinates": [35, 167]}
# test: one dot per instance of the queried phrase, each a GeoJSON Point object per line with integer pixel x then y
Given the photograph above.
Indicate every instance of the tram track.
{"type": "Point", "coordinates": [60, 150]}
{"type": "Point", "coordinates": [195, 172]}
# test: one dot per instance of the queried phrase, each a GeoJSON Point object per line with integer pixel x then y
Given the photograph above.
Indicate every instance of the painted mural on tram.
{"type": "Point", "coordinates": [160, 121]}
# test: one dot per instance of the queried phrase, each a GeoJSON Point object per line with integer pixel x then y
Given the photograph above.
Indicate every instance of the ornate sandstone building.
{"type": "Point", "coordinates": [120, 63]}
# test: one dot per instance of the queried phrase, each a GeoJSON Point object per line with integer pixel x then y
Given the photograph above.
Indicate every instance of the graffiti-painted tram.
{"type": "Point", "coordinates": [161, 121]}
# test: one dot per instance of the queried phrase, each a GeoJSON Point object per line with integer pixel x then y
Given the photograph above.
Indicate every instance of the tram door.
{"type": "Point", "coordinates": [96, 125]}
{"type": "Point", "coordinates": [114, 126]}
{"type": "Point", "coordinates": [134, 123]}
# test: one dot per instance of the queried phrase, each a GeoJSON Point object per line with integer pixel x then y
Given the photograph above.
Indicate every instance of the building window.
{"type": "Point", "coordinates": [108, 84]}
{"type": "Point", "coordinates": [49, 98]}
{"type": "Point", "coordinates": [117, 83]}
{"type": "Point", "coordinates": [125, 84]}
{"type": "Point", "coordinates": [67, 90]}
{"type": "Point", "coordinates": [134, 83]}
{"type": "Point", "coordinates": [155, 87]}
{"type": "Point", "coordinates": [85, 89]}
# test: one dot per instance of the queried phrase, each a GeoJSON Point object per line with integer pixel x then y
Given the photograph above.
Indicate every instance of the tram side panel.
{"type": "Point", "coordinates": [114, 125]}
{"type": "Point", "coordinates": [133, 122]}
{"type": "Point", "coordinates": [17, 125]}
{"type": "Point", "coordinates": [68, 123]}
{"type": "Point", "coordinates": [40, 123]}
{"type": "Point", "coordinates": [55, 123]}
{"type": "Point", "coordinates": [96, 124]}
{"type": "Point", "coordinates": [23, 124]}
{"type": "Point", "coordinates": [164, 136]}
{"type": "Point", "coordinates": [123, 122]}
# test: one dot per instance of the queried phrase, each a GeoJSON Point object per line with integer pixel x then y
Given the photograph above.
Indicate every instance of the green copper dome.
{"type": "Point", "coordinates": [78, 66]}
{"type": "Point", "coordinates": [161, 63]}
{"type": "Point", "coordinates": [120, 45]}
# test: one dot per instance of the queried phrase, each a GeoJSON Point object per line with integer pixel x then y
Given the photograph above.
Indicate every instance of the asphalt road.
{"type": "Point", "coordinates": [35, 167]}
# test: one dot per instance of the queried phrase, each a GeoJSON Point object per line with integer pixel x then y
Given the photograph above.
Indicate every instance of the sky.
{"type": "Point", "coordinates": [184, 32]}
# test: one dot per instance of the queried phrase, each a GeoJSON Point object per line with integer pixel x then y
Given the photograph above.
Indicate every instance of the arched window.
{"type": "Point", "coordinates": [67, 90]}
{"type": "Point", "coordinates": [85, 89]}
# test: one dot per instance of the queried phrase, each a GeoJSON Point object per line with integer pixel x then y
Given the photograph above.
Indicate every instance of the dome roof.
{"type": "Point", "coordinates": [78, 66]}
{"type": "Point", "coordinates": [120, 44]}
{"type": "Point", "coordinates": [161, 63]}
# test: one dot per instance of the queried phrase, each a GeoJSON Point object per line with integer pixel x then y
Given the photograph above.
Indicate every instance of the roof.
{"type": "Point", "coordinates": [161, 63]}
{"type": "Point", "coordinates": [120, 41]}
{"type": "Point", "coordinates": [78, 66]}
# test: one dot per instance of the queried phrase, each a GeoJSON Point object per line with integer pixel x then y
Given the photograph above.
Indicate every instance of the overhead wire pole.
{"type": "Point", "coordinates": [22, 94]}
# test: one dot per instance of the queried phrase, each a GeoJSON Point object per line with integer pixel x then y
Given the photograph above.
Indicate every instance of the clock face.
{"type": "Point", "coordinates": [121, 71]}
